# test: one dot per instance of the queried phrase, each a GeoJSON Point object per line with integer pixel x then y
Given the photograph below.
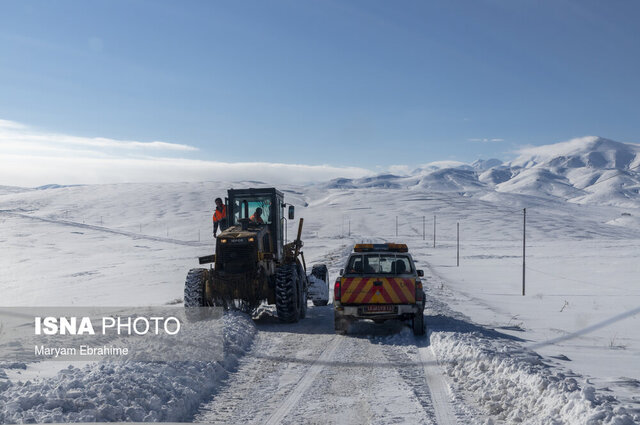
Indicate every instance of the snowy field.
{"type": "Point", "coordinates": [84, 246]}
{"type": "Point", "coordinates": [567, 352]}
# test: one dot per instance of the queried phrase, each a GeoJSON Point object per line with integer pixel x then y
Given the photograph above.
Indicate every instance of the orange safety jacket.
{"type": "Point", "coordinates": [219, 215]}
{"type": "Point", "coordinates": [257, 219]}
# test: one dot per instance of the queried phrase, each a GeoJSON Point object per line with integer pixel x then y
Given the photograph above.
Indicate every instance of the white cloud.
{"type": "Point", "coordinates": [401, 170]}
{"type": "Point", "coordinates": [556, 149]}
{"type": "Point", "coordinates": [486, 140]}
{"type": "Point", "coordinates": [13, 134]}
{"type": "Point", "coordinates": [29, 171]}
{"type": "Point", "coordinates": [31, 158]}
{"type": "Point", "coordinates": [5, 124]}
{"type": "Point", "coordinates": [438, 165]}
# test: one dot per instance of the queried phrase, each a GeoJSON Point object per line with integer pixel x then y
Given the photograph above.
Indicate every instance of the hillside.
{"type": "Point", "coordinates": [588, 170]}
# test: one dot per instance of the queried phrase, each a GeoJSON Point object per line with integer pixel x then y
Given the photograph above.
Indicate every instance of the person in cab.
{"type": "Point", "coordinates": [257, 216]}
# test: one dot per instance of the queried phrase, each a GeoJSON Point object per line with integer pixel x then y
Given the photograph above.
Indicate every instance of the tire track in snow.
{"type": "Point", "coordinates": [303, 385]}
{"type": "Point", "coordinates": [438, 387]}
{"type": "Point", "coordinates": [412, 374]}
{"type": "Point", "coordinates": [281, 357]}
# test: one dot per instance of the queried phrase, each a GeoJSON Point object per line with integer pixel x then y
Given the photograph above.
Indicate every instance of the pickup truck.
{"type": "Point", "coordinates": [379, 282]}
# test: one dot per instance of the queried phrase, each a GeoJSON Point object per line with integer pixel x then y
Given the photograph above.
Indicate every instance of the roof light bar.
{"type": "Point", "coordinates": [370, 247]}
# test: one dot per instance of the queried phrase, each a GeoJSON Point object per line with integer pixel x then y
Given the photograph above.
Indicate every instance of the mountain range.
{"type": "Point", "coordinates": [590, 169]}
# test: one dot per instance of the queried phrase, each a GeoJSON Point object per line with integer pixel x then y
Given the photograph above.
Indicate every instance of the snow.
{"type": "Point", "coordinates": [584, 164]}
{"type": "Point", "coordinates": [515, 386]}
{"type": "Point", "coordinates": [552, 356]}
{"type": "Point", "coordinates": [591, 150]}
{"type": "Point", "coordinates": [127, 391]}
{"type": "Point", "coordinates": [486, 164]}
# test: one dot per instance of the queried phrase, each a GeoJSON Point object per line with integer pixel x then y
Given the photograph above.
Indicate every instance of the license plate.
{"type": "Point", "coordinates": [378, 309]}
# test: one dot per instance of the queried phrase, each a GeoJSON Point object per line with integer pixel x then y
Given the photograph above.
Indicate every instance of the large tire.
{"type": "Point", "coordinates": [340, 324]}
{"type": "Point", "coordinates": [418, 323]}
{"type": "Point", "coordinates": [194, 293]}
{"type": "Point", "coordinates": [304, 287]}
{"type": "Point", "coordinates": [287, 293]}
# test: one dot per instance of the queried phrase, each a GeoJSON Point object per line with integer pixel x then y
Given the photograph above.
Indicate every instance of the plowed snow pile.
{"type": "Point", "coordinates": [515, 386]}
{"type": "Point", "coordinates": [127, 391]}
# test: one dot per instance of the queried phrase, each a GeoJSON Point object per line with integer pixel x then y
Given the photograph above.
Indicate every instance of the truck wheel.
{"type": "Point", "coordinates": [302, 291]}
{"type": "Point", "coordinates": [287, 293]}
{"type": "Point", "coordinates": [194, 293]}
{"type": "Point", "coordinates": [340, 324]}
{"type": "Point", "coordinates": [418, 323]}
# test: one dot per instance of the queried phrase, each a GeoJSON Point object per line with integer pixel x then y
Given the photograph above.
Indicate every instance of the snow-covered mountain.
{"type": "Point", "coordinates": [584, 170]}
{"type": "Point", "coordinates": [588, 169]}
{"type": "Point", "coordinates": [485, 164]}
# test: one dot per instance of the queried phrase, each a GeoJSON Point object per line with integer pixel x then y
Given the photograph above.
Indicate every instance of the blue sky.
{"type": "Point", "coordinates": [366, 84]}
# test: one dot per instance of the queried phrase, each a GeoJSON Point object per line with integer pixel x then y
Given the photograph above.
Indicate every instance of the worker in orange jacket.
{"type": "Point", "coordinates": [257, 216]}
{"type": "Point", "coordinates": [219, 217]}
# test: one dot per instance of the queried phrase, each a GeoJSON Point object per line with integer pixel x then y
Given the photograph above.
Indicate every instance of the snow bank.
{"type": "Point", "coordinates": [127, 391]}
{"type": "Point", "coordinates": [515, 386]}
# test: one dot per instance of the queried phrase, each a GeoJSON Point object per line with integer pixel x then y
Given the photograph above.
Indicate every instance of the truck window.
{"type": "Point", "coordinates": [379, 264]}
{"type": "Point", "coordinates": [401, 265]}
{"type": "Point", "coordinates": [355, 264]}
{"type": "Point", "coordinates": [387, 264]}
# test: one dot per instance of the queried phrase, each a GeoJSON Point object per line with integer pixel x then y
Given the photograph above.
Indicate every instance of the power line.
{"type": "Point", "coordinates": [586, 330]}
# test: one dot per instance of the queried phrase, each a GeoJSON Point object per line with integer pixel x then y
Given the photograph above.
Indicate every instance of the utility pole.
{"type": "Point", "coordinates": [524, 243]}
{"type": "Point", "coordinates": [434, 231]}
{"type": "Point", "coordinates": [396, 226]}
{"type": "Point", "coordinates": [424, 231]}
{"type": "Point", "coordinates": [349, 227]}
{"type": "Point", "coordinates": [458, 245]}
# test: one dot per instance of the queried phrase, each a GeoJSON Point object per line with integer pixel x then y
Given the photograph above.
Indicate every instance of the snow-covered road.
{"type": "Point", "coordinates": [304, 373]}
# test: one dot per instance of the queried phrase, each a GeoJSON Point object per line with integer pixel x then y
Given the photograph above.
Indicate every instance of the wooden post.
{"type": "Point", "coordinates": [424, 228]}
{"type": "Point", "coordinates": [396, 226]}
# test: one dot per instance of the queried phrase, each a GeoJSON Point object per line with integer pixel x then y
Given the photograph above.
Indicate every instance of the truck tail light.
{"type": "Point", "coordinates": [419, 291]}
{"type": "Point", "coordinates": [336, 291]}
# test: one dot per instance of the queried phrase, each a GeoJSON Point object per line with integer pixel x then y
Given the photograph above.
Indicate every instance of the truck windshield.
{"type": "Point", "coordinates": [257, 208]}
{"type": "Point", "coordinates": [379, 264]}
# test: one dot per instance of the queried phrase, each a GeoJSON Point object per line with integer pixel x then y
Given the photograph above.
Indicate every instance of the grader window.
{"type": "Point", "coordinates": [254, 206]}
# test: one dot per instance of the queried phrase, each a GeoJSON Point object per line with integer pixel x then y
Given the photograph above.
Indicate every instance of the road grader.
{"type": "Point", "coordinates": [253, 263]}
